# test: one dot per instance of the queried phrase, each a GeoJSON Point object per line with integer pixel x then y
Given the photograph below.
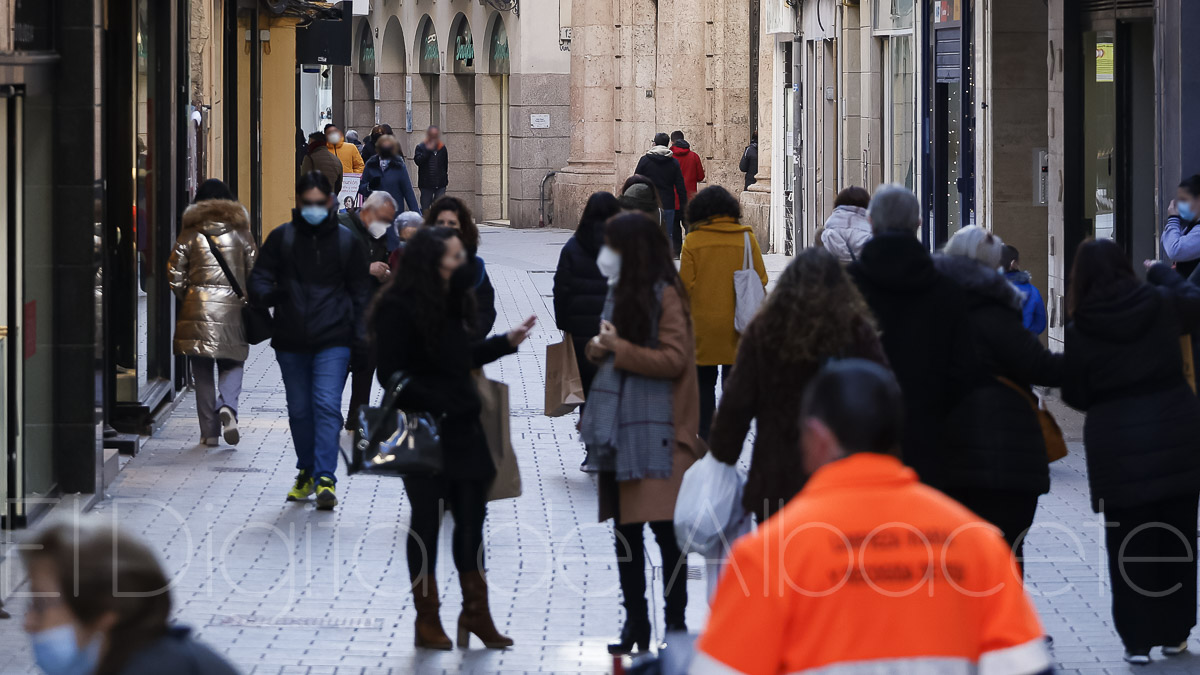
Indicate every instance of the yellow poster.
{"type": "Point", "coordinates": [1104, 62]}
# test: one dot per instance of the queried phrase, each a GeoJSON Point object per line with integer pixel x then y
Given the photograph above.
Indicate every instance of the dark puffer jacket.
{"type": "Point", "coordinates": [579, 292]}
{"type": "Point", "coordinates": [433, 167]}
{"type": "Point", "coordinates": [1125, 369]}
{"type": "Point", "coordinates": [319, 286]}
{"type": "Point", "coordinates": [922, 316]}
{"type": "Point", "coordinates": [993, 436]}
{"type": "Point", "coordinates": [661, 167]}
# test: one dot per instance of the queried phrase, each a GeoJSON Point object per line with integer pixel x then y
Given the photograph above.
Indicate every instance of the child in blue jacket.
{"type": "Point", "coordinates": [1033, 310]}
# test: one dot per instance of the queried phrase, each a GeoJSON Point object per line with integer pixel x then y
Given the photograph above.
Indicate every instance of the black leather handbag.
{"type": "Point", "coordinates": [394, 442]}
{"type": "Point", "coordinates": [257, 321]}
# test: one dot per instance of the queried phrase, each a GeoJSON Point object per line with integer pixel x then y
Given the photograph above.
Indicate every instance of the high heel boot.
{"type": "Point", "coordinates": [429, 633]}
{"type": "Point", "coordinates": [476, 617]}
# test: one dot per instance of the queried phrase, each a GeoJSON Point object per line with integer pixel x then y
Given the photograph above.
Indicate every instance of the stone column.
{"type": "Point", "coordinates": [592, 111]}
{"type": "Point", "coordinates": [756, 201]}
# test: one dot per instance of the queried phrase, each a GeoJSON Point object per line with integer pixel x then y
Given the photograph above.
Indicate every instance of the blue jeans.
{"type": "Point", "coordinates": [314, 384]}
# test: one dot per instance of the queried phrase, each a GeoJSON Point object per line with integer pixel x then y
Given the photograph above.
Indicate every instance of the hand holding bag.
{"type": "Point", "coordinates": [395, 442]}
{"type": "Point", "coordinates": [256, 321]}
{"type": "Point", "coordinates": [747, 288]}
{"type": "Point", "coordinates": [564, 385]}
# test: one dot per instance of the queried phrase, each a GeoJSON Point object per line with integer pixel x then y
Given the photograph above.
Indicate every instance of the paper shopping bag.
{"type": "Point", "coordinates": [564, 386]}
{"type": "Point", "coordinates": [494, 417]}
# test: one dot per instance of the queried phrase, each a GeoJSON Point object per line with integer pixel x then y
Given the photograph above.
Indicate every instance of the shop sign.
{"type": "Point", "coordinates": [366, 49]}
{"type": "Point", "coordinates": [464, 49]}
{"type": "Point", "coordinates": [1105, 62]}
{"type": "Point", "coordinates": [430, 63]}
{"type": "Point", "coordinates": [498, 64]}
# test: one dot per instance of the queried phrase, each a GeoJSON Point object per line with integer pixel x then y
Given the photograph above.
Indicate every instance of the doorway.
{"type": "Point", "coordinates": [12, 487]}
{"type": "Point", "coordinates": [1116, 164]}
{"type": "Point", "coordinates": [821, 127]}
{"type": "Point", "coordinates": [950, 188]}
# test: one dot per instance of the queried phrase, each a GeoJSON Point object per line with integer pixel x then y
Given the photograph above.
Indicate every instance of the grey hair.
{"type": "Point", "coordinates": [976, 243]}
{"type": "Point", "coordinates": [894, 208]}
{"type": "Point", "coordinates": [409, 219]}
{"type": "Point", "coordinates": [379, 198]}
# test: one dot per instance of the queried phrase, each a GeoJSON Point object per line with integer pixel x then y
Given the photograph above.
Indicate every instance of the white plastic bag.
{"type": "Point", "coordinates": [708, 512]}
{"type": "Point", "coordinates": [748, 290]}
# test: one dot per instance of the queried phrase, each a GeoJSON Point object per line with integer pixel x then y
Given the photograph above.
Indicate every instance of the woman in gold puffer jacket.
{"type": "Point", "coordinates": [209, 327]}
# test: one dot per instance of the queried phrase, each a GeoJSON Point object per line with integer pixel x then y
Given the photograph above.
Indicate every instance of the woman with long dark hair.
{"type": "Point", "coordinates": [451, 212]}
{"type": "Point", "coordinates": [579, 287]}
{"type": "Point", "coordinates": [1125, 369]}
{"type": "Point", "coordinates": [421, 325]}
{"type": "Point", "coordinates": [642, 414]}
{"type": "Point", "coordinates": [815, 313]}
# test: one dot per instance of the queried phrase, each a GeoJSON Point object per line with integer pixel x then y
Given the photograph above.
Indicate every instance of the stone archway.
{"type": "Point", "coordinates": [492, 111]}
{"type": "Point", "coordinates": [458, 103]}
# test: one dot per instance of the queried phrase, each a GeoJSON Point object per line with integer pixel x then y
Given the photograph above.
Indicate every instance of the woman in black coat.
{"type": "Point", "coordinates": [995, 462]}
{"type": "Point", "coordinates": [421, 326]}
{"type": "Point", "coordinates": [579, 287]}
{"type": "Point", "coordinates": [1142, 435]}
{"type": "Point", "coordinates": [451, 212]}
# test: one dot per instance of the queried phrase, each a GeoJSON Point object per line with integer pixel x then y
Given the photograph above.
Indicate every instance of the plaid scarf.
{"type": "Point", "coordinates": [627, 424]}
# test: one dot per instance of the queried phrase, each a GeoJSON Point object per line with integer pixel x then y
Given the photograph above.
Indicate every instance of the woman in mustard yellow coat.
{"type": "Point", "coordinates": [712, 252]}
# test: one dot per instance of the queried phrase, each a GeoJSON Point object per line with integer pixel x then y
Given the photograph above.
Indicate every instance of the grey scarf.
{"type": "Point", "coordinates": [628, 425]}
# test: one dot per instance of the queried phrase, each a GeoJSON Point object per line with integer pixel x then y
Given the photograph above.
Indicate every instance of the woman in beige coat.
{"type": "Point", "coordinates": [641, 433]}
{"type": "Point", "coordinates": [209, 327]}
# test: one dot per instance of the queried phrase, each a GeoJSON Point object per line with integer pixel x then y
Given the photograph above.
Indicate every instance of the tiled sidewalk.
{"type": "Point", "coordinates": [282, 588]}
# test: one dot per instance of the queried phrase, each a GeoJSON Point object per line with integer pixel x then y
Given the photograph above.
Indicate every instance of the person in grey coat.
{"type": "Point", "coordinates": [209, 330]}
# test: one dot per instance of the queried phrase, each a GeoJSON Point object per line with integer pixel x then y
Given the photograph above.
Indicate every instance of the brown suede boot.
{"type": "Point", "coordinates": [476, 617]}
{"type": "Point", "coordinates": [429, 632]}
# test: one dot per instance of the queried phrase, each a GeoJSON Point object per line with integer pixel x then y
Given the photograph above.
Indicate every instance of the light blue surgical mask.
{"type": "Point", "coordinates": [57, 652]}
{"type": "Point", "coordinates": [315, 214]}
{"type": "Point", "coordinates": [1186, 214]}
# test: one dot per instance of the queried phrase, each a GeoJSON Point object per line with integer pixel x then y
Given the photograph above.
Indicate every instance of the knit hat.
{"type": "Point", "coordinates": [640, 197]}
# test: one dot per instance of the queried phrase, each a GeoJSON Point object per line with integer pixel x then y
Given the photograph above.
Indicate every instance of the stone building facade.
{"type": "Point", "coordinates": [495, 82]}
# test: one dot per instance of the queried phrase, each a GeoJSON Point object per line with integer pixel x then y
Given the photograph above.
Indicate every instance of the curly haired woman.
{"type": "Point", "coordinates": [814, 314]}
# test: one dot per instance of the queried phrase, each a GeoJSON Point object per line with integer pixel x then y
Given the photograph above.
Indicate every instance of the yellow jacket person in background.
{"type": "Point", "coordinates": [352, 162]}
{"type": "Point", "coordinates": [712, 252]}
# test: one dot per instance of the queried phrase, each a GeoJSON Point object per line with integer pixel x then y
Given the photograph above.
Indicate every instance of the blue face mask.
{"type": "Point", "coordinates": [315, 214]}
{"type": "Point", "coordinates": [1186, 214]}
{"type": "Point", "coordinates": [57, 652]}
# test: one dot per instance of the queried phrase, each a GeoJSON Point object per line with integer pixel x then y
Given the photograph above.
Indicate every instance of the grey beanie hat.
{"type": "Point", "coordinates": [640, 197]}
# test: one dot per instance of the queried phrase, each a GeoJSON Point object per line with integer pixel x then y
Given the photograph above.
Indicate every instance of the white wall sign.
{"type": "Point", "coordinates": [361, 7]}
{"type": "Point", "coordinates": [377, 96]}
{"type": "Point", "coordinates": [377, 115]}
{"type": "Point", "coordinates": [539, 121]}
{"type": "Point", "coordinates": [778, 17]}
{"type": "Point", "coordinates": [408, 103]}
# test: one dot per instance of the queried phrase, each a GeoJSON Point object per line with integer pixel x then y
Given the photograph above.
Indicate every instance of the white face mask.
{"type": "Point", "coordinates": [609, 262]}
{"type": "Point", "coordinates": [335, 138]}
{"type": "Point", "coordinates": [378, 228]}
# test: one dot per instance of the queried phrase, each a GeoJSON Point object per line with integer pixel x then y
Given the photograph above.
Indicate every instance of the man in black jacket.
{"type": "Point", "coordinates": [432, 167]}
{"type": "Point", "coordinates": [372, 224]}
{"type": "Point", "coordinates": [749, 163]}
{"type": "Point", "coordinates": [661, 167]}
{"type": "Point", "coordinates": [314, 273]}
{"type": "Point", "coordinates": [922, 316]}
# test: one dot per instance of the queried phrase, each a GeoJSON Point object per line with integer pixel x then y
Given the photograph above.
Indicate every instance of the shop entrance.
{"type": "Point", "coordinates": [951, 194]}
{"type": "Point", "coordinates": [12, 487]}
{"type": "Point", "coordinates": [1116, 162]}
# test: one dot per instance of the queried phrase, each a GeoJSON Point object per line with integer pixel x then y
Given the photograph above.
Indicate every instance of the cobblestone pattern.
{"type": "Point", "coordinates": [283, 588]}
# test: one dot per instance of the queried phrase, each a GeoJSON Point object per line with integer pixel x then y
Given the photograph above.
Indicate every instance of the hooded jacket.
{"type": "Point", "coordinates": [993, 436]}
{"type": "Point", "coordinates": [845, 233]}
{"type": "Point", "coordinates": [1033, 309]}
{"type": "Point", "coordinates": [922, 316]}
{"type": "Point", "coordinates": [210, 317]}
{"type": "Point", "coordinates": [1125, 369]}
{"type": "Point", "coordinates": [711, 253]}
{"type": "Point", "coordinates": [319, 287]}
{"type": "Point", "coordinates": [661, 167]}
{"type": "Point", "coordinates": [691, 167]}
{"type": "Point", "coordinates": [352, 162]}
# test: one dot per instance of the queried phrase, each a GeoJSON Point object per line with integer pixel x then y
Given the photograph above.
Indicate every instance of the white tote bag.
{"type": "Point", "coordinates": [748, 290]}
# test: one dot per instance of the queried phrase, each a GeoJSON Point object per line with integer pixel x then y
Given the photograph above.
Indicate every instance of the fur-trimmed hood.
{"type": "Point", "coordinates": [978, 280]}
{"type": "Point", "coordinates": [216, 217]}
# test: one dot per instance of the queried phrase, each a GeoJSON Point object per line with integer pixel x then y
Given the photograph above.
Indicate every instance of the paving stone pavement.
{"type": "Point", "coordinates": [283, 588]}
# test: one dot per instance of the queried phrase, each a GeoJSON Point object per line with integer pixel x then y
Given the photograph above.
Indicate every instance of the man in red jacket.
{"type": "Point", "coordinates": [693, 172]}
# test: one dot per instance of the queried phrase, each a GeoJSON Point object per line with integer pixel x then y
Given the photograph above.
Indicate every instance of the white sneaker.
{"type": "Point", "coordinates": [229, 425]}
{"type": "Point", "coordinates": [211, 442]}
{"type": "Point", "coordinates": [1175, 650]}
{"type": "Point", "coordinates": [1137, 659]}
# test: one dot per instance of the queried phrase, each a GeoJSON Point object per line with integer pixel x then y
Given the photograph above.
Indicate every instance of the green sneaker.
{"type": "Point", "coordinates": [326, 494]}
{"type": "Point", "coordinates": [302, 489]}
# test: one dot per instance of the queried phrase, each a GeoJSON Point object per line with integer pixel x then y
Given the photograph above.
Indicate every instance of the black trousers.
{"type": "Point", "coordinates": [362, 377]}
{"type": "Point", "coordinates": [677, 231]}
{"type": "Point", "coordinates": [430, 498]}
{"type": "Point", "coordinates": [707, 376]}
{"type": "Point", "coordinates": [429, 196]}
{"type": "Point", "coordinates": [1152, 566]}
{"type": "Point", "coordinates": [1010, 510]}
{"type": "Point", "coordinates": [631, 569]}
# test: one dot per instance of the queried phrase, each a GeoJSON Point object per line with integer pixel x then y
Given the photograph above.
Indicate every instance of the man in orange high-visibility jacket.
{"type": "Point", "coordinates": [867, 570]}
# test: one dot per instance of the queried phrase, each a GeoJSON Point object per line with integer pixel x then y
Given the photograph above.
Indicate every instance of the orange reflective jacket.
{"type": "Point", "coordinates": [867, 570]}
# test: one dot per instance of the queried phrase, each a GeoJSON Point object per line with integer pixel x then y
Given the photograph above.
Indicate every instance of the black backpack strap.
{"type": "Point", "coordinates": [229, 276]}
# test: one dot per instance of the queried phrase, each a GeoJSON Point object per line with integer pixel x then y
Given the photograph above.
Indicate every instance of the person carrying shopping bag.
{"type": "Point", "coordinates": [209, 330]}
